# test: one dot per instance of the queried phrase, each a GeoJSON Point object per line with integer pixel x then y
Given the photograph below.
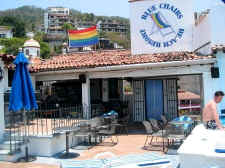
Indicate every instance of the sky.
{"type": "Point", "coordinates": [98, 7]}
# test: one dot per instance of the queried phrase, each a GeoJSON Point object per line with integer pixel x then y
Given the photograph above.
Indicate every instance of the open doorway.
{"type": "Point", "coordinates": [190, 96]}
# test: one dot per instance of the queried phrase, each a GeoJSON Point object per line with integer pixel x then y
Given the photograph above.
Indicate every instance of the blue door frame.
{"type": "Point", "coordinates": [154, 98]}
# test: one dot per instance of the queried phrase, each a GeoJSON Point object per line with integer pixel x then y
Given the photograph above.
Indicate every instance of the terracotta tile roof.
{"type": "Point", "coordinates": [108, 58]}
{"type": "Point", "coordinates": [186, 95]}
{"type": "Point", "coordinates": [216, 48]}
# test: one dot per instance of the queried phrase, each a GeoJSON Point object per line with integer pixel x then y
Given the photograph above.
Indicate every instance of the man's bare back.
{"type": "Point", "coordinates": [210, 114]}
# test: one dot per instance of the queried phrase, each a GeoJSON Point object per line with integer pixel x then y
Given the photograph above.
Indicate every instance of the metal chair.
{"type": "Point", "coordinates": [124, 124]}
{"type": "Point", "coordinates": [149, 132]}
{"type": "Point", "coordinates": [110, 132]}
{"type": "Point", "coordinates": [159, 131]}
{"type": "Point", "coordinates": [164, 121]}
{"type": "Point", "coordinates": [85, 132]}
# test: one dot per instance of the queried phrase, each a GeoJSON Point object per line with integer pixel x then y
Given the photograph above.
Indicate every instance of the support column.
{"type": "Point", "coordinates": [2, 120]}
{"type": "Point", "coordinates": [2, 103]}
{"type": "Point", "coordinates": [33, 79]}
{"type": "Point", "coordinates": [208, 87]}
{"type": "Point", "coordinates": [105, 90]}
{"type": "Point", "coordinates": [86, 99]}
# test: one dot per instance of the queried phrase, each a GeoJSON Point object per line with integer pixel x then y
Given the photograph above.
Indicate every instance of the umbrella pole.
{"type": "Point", "coordinates": [26, 136]}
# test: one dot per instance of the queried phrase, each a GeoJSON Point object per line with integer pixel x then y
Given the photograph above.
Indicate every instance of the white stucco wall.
{"type": "Point", "coordinates": [33, 51]}
{"type": "Point", "coordinates": [211, 85]}
{"type": "Point", "coordinates": [221, 81]}
{"type": "Point", "coordinates": [8, 33]}
{"type": "Point", "coordinates": [202, 36]}
{"type": "Point", "coordinates": [217, 23]}
{"type": "Point", "coordinates": [49, 146]}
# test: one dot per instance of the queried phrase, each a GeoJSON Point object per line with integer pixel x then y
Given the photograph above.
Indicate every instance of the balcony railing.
{"type": "Point", "coordinates": [7, 95]}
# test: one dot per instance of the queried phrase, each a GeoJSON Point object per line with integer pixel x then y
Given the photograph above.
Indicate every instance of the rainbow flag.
{"type": "Point", "coordinates": [158, 21]}
{"type": "Point", "coordinates": [81, 38]}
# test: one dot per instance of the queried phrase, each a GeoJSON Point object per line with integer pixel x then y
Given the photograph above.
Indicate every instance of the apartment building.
{"type": "Point", "coordinates": [112, 26]}
{"type": "Point", "coordinates": [54, 19]}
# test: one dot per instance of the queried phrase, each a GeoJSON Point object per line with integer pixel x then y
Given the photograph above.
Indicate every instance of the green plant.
{"type": "Point", "coordinates": [12, 45]}
{"type": "Point", "coordinates": [45, 50]}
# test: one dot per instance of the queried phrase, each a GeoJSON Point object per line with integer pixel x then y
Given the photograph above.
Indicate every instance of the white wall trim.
{"type": "Point", "coordinates": [139, 70]}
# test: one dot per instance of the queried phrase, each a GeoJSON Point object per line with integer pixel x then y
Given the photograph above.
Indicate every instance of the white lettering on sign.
{"type": "Point", "coordinates": [161, 26]}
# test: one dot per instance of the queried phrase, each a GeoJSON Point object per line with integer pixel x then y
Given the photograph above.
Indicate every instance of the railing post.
{"type": "Point", "coordinates": [10, 133]}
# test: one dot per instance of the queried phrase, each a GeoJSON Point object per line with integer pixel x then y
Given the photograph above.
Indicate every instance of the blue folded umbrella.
{"type": "Point", "coordinates": [22, 94]}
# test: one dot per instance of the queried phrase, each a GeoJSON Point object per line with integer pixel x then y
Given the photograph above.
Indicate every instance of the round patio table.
{"type": "Point", "coordinates": [67, 154]}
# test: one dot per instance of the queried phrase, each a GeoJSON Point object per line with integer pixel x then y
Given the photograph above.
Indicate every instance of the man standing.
{"type": "Point", "coordinates": [210, 114]}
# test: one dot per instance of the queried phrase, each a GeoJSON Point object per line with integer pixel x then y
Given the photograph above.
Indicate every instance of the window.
{"type": "Point", "coordinates": [27, 52]}
{"type": "Point", "coordinates": [38, 53]}
{"type": "Point", "coordinates": [10, 77]}
{"type": "Point", "coordinates": [113, 89]}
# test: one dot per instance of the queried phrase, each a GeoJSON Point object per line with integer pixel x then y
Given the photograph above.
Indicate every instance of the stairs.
{"type": "Point", "coordinates": [10, 150]}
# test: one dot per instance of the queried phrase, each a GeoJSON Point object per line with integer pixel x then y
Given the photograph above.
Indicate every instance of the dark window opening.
{"type": "Point", "coordinates": [113, 89]}
{"type": "Point", "coordinates": [10, 77]}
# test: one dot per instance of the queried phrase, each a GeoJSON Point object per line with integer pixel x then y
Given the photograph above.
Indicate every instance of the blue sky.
{"type": "Point", "coordinates": [98, 7]}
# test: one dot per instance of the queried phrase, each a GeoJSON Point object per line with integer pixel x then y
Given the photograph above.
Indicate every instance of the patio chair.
{"type": "Point", "coordinates": [156, 126]}
{"type": "Point", "coordinates": [163, 122]}
{"type": "Point", "coordinates": [124, 124]}
{"type": "Point", "coordinates": [151, 134]}
{"type": "Point", "coordinates": [159, 131]}
{"type": "Point", "coordinates": [110, 132]}
{"type": "Point", "coordinates": [96, 122]}
{"type": "Point", "coordinates": [85, 132]}
{"type": "Point", "coordinates": [175, 135]}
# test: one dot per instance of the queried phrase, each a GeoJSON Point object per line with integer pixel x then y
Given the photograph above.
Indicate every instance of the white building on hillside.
{"type": "Point", "coordinates": [6, 32]}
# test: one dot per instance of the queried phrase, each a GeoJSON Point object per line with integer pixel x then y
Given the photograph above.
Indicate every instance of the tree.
{"type": "Point", "coordinates": [102, 34]}
{"type": "Point", "coordinates": [58, 49]}
{"type": "Point", "coordinates": [45, 50]}
{"type": "Point", "coordinates": [33, 27]}
{"type": "Point", "coordinates": [12, 45]}
{"type": "Point", "coordinates": [16, 23]}
{"type": "Point", "coordinates": [39, 36]}
{"type": "Point", "coordinates": [118, 38]}
{"type": "Point", "coordinates": [67, 26]}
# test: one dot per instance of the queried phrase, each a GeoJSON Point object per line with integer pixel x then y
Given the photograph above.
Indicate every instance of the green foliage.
{"type": "Point", "coordinates": [31, 16]}
{"type": "Point", "coordinates": [118, 38]}
{"type": "Point", "coordinates": [44, 47]}
{"type": "Point", "coordinates": [39, 36]}
{"type": "Point", "coordinates": [58, 49]}
{"type": "Point", "coordinates": [102, 34]}
{"type": "Point", "coordinates": [45, 50]}
{"type": "Point", "coordinates": [12, 45]}
{"type": "Point", "coordinates": [67, 26]}
{"type": "Point", "coordinates": [14, 22]}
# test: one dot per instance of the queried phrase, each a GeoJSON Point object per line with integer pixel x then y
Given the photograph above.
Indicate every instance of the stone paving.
{"type": "Point", "coordinates": [131, 144]}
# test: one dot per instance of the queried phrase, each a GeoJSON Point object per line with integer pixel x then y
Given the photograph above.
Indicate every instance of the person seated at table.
{"type": "Point", "coordinates": [210, 115]}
